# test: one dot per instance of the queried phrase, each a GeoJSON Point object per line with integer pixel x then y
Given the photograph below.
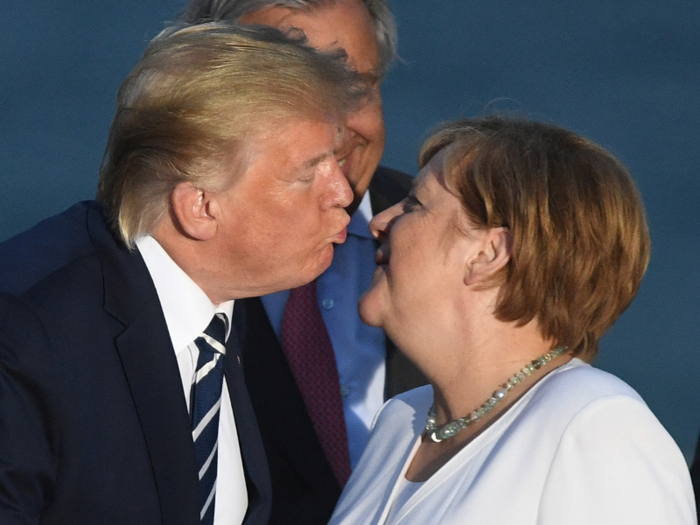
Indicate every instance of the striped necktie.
{"type": "Point", "coordinates": [205, 407]}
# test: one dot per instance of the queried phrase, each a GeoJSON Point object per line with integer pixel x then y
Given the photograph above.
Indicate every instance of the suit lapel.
{"type": "Point", "coordinates": [151, 370]}
{"type": "Point", "coordinates": [150, 367]}
{"type": "Point", "coordinates": [254, 462]}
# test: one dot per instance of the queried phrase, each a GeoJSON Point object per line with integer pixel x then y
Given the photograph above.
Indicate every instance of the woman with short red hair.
{"type": "Point", "coordinates": [519, 246]}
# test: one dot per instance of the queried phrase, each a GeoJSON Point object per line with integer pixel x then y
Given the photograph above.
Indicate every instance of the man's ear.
{"type": "Point", "coordinates": [191, 209]}
{"type": "Point", "coordinates": [493, 255]}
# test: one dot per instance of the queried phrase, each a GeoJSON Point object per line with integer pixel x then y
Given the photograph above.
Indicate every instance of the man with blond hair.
{"type": "Point", "coordinates": [316, 374]}
{"type": "Point", "coordinates": [122, 399]}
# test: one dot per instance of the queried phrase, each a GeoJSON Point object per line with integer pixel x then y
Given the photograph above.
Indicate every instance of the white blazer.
{"type": "Point", "coordinates": [581, 447]}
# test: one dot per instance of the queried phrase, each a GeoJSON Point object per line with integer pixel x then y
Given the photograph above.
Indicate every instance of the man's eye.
{"type": "Point", "coordinates": [307, 177]}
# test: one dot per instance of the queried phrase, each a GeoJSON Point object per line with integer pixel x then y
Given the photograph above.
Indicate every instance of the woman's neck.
{"type": "Point", "coordinates": [484, 363]}
{"type": "Point", "coordinates": [464, 385]}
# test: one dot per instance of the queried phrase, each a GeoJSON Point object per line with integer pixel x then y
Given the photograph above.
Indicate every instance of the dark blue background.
{"type": "Point", "coordinates": [623, 73]}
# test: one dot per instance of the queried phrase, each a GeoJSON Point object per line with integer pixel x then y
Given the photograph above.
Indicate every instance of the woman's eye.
{"type": "Point", "coordinates": [410, 203]}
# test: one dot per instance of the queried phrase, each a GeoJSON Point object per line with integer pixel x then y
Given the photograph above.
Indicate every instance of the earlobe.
{"type": "Point", "coordinates": [495, 252]}
{"type": "Point", "coordinates": [191, 207]}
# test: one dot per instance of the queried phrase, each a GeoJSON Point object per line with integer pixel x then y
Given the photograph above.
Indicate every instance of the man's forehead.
{"type": "Point", "coordinates": [326, 130]}
{"type": "Point", "coordinates": [325, 154]}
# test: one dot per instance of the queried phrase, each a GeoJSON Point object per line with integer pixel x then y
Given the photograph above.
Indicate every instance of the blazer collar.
{"type": "Point", "coordinates": [254, 460]}
{"type": "Point", "coordinates": [128, 287]}
{"type": "Point", "coordinates": [150, 367]}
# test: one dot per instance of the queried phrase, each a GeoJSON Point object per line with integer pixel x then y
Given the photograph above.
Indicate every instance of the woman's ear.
{"type": "Point", "coordinates": [495, 251]}
{"type": "Point", "coordinates": [191, 207]}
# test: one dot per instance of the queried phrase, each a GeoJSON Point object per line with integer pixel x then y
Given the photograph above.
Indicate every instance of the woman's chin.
{"type": "Point", "coordinates": [368, 309]}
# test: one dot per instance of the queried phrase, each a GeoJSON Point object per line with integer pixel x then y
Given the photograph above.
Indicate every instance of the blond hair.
{"type": "Point", "coordinates": [580, 237]}
{"type": "Point", "coordinates": [194, 99]}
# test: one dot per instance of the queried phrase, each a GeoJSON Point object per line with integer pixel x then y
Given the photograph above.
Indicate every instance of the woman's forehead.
{"type": "Point", "coordinates": [434, 168]}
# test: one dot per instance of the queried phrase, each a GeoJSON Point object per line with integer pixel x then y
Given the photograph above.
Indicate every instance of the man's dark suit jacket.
{"type": "Point", "coordinates": [94, 427]}
{"type": "Point", "coordinates": [304, 489]}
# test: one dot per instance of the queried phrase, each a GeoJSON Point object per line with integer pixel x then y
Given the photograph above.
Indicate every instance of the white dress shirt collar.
{"type": "Point", "coordinates": [187, 309]}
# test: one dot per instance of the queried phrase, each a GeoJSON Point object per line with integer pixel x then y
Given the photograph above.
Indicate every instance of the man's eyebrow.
{"type": "Point", "coordinates": [339, 136]}
{"type": "Point", "coordinates": [313, 162]}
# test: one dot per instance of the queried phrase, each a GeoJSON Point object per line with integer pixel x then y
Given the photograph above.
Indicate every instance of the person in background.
{"type": "Point", "coordinates": [122, 399]}
{"type": "Point", "coordinates": [316, 374]}
{"type": "Point", "coordinates": [519, 246]}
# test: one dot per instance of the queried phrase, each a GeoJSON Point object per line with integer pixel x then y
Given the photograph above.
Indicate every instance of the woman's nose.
{"type": "Point", "coordinates": [381, 222]}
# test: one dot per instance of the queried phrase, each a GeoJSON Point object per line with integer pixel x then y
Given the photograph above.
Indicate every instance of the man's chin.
{"type": "Point", "coordinates": [325, 260]}
{"type": "Point", "coordinates": [312, 271]}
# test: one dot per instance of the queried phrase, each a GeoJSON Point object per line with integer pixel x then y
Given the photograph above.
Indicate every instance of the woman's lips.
{"type": "Point", "coordinates": [381, 256]}
{"type": "Point", "coordinates": [378, 272]}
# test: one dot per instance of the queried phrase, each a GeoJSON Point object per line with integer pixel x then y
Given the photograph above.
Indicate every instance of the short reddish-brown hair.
{"type": "Point", "coordinates": [580, 237]}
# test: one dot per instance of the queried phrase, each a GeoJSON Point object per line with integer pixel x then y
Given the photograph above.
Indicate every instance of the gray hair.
{"type": "Point", "coordinates": [384, 24]}
{"type": "Point", "coordinates": [193, 102]}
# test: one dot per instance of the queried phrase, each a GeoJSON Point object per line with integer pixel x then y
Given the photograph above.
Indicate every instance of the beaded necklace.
{"type": "Point", "coordinates": [452, 428]}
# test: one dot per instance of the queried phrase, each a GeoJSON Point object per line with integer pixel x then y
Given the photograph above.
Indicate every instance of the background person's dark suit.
{"type": "Point", "coordinates": [85, 353]}
{"type": "Point", "coordinates": [304, 488]}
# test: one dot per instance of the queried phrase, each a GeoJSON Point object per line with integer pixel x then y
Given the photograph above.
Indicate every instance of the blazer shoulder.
{"type": "Point", "coordinates": [581, 383]}
{"type": "Point", "coordinates": [407, 408]}
{"type": "Point", "coordinates": [34, 254]}
{"type": "Point", "coordinates": [30, 389]}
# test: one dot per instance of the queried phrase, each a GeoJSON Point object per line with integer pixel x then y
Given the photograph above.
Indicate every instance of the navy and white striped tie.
{"type": "Point", "coordinates": [205, 407]}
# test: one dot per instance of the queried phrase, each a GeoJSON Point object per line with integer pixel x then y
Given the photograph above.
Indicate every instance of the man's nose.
{"type": "Point", "coordinates": [340, 190]}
